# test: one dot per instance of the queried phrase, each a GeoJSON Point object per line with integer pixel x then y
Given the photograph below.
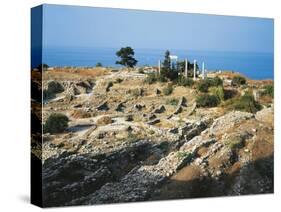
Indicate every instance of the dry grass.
{"type": "Point", "coordinates": [80, 114]}
{"type": "Point", "coordinates": [74, 74]}
{"type": "Point", "coordinates": [105, 120]}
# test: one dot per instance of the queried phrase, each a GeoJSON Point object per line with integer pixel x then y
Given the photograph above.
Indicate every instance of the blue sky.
{"type": "Point", "coordinates": [69, 26]}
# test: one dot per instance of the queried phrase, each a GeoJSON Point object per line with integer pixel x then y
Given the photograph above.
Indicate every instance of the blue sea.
{"type": "Point", "coordinates": [252, 65]}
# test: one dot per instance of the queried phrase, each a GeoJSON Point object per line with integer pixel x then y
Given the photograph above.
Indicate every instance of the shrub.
{"type": "Point", "coordinates": [161, 78]}
{"type": "Point", "coordinates": [203, 86]}
{"type": "Point", "coordinates": [229, 93]}
{"type": "Point", "coordinates": [80, 114]}
{"type": "Point", "coordinates": [132, 137]}
{"type": "Point", "coordinates": [141, 71]}
{"type": "Point", "coordinates": [238, 80]}
{"type": "Point", "coordinates": [185, 155]}
{"type": "Point", "coordinates": [151, 78]}
{"type": "Point", "coordinates": [247, 103]}
{"type": "Point", "coordinates": [56, 123]}
{"type": "Point", "coordinates": [105, 120]}
{"type": "Point", "coordinates": [182, 81]}
{"type": "Point", "coordinates": [268, 90]}
{"type": "Point", "coordinates": [207, 100]}
{"type": "Point", "coordinates": [218, 92]}
{"type": "Point", "coordinates": [234, 142]}
{"type": "Point", "coordinates": [172, 101]}
{"type": "Point", "coordinates": [137, 92]}
{"type": "Point", "coordinates": [119, 80]}
{"type": "Point", "coordinates": [168, 90]}
{"type": "Point", "coordinates": [215, 81]}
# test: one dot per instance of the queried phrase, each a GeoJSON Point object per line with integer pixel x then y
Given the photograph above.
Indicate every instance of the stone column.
{"type": "Point", "coordinates": [185, 68]}
{"type": "Point", "coordinates": [203, 70]}
{"type": "Point", "coordinates": [159, 67]}
{"type": "Point", "coordinates": [194, 70]}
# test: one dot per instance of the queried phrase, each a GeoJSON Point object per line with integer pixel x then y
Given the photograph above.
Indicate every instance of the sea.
{"type": "Point", "coordinates": [251, 64]}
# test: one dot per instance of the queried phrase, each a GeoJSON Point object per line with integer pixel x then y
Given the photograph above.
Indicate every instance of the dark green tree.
{"type": "Point", "coordinates": [99, 64]}
{"type": "Point", "coordinates": [168, 69]}
{"type": "Point", "coordinates": [126, 55]}
{"type": "Point", "coordinates": [167, 63]}
{"type": "Point", "coordinates": [43, 67]}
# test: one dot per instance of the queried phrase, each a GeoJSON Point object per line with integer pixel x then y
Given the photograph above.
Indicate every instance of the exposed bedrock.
{"type": "Point", "coordinates": [68, 176]}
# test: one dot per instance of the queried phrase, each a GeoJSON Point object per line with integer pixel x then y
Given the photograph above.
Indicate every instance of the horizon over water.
{"type": "Point", "coordinates": [251, 64]}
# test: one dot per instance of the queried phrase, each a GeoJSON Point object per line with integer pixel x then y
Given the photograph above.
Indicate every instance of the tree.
{"type": "Point", "coordinates": [43, 67]}
{"type": "Point", "coordinates": [166, 63]}
{"type": "Point", "coordinates": [126, 55]}
{"type": "Point", "coordinates": [168, 69]}
{"type": "Point", "coordinates": [99, 64]}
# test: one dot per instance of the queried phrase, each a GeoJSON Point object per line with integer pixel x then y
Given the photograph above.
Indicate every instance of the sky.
{"type": "Point", "coordinates": [72, 26]}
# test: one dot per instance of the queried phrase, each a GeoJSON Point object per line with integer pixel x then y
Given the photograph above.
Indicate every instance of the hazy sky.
{"type": "Point", "coordinates": [69, 26]}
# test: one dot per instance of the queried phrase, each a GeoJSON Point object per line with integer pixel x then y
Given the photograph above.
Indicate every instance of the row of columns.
{"type": "Point", "coordinates": [185, 69]}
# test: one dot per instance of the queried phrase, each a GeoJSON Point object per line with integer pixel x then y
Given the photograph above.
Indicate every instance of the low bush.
{"type": "Point", "coordinates": [234, 142]}
{"type": "Point", "coordinates": [136, 92]}
{"type": "Point", "coordinates": [268, 90]}
{"type": "Point", "coordinates": [183, 81]}
{"type": "Point", "coordinates": [185, 155]}
{"type": "Point", "coordinates": [215, 81]}
{"type": "Point", "coordinates": [105, 120]}
{"type": "Point", "coordinates": [218, 92]}
{"type": "Point", "coordinates": [56, 123]}
{"type": "Point", "coordinates": [238, 80]}
{"type": "Point", "coordinates": [246, 103]}
{"type": "Point", "coordinates": [168, 90]}
{"type": "Point", "coordinates": [119, 80]}
{"type": "Point", "coordinates": [204, 85]}
{"type": "Point", "coordinates": [207, 100]}
{"type": "Point", "coordinates": [230, 93]}
{"type": "Point", "coordinates": [141, 71]}
{"type": "Point", "coordinates": [172, 101]}
{"type": "Point", "coordinates": [151, 78]}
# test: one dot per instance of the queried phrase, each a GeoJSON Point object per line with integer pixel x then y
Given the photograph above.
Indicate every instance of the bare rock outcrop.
{"type": "Point", "coordinates": [265, 115]}
{"type": "Point", "coordinates": [229, 120]}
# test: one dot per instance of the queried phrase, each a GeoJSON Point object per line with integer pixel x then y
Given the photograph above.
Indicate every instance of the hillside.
{"type": "Point", "coordinates": [130, 140]}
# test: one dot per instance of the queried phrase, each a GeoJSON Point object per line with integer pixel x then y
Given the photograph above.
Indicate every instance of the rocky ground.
{"type": "Point", "coordinates": [127, 141]}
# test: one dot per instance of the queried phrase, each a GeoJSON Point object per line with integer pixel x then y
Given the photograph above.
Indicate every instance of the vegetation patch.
{"type": "Point", "coordinates": [268, 90]}
{"type": "Point", "coordinates": [207, 100]}
{"type": "Point", "coordinates": [118, 80]}
{"type": "Point", "coordinates": [105, 120]}
{"type": "Point", "coordinates": [246, 103]}
{"type": "Point", "coordinates": [80, 114]}
{"type": "Point", "coordinates": [98, 64]}
{"type": "Point", "coordinates": [218, 92]}
{"type": "Point", "coordinates": [168, 90]}
{"type": "Point", "coordinates": [56, 123]}
{"type": "Point", "coordinates": [183, 81]}
{"type": "Point", "coordinates": [234, 142]}
{"type": "Point", "coordinates": [185, 155]}
{"type": "Point", "coordinates": [172, 101]}
{"type": "Point", "coordinates": [204, 85]}
{"type": "Point", "coordinates": [132, 137]}
{"type": "Point", "coordinates": [136, 92]}
{"type": "Point", "coordinates": [151, 78]}
{"type": "Point", "coordinates": [239, 80]}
